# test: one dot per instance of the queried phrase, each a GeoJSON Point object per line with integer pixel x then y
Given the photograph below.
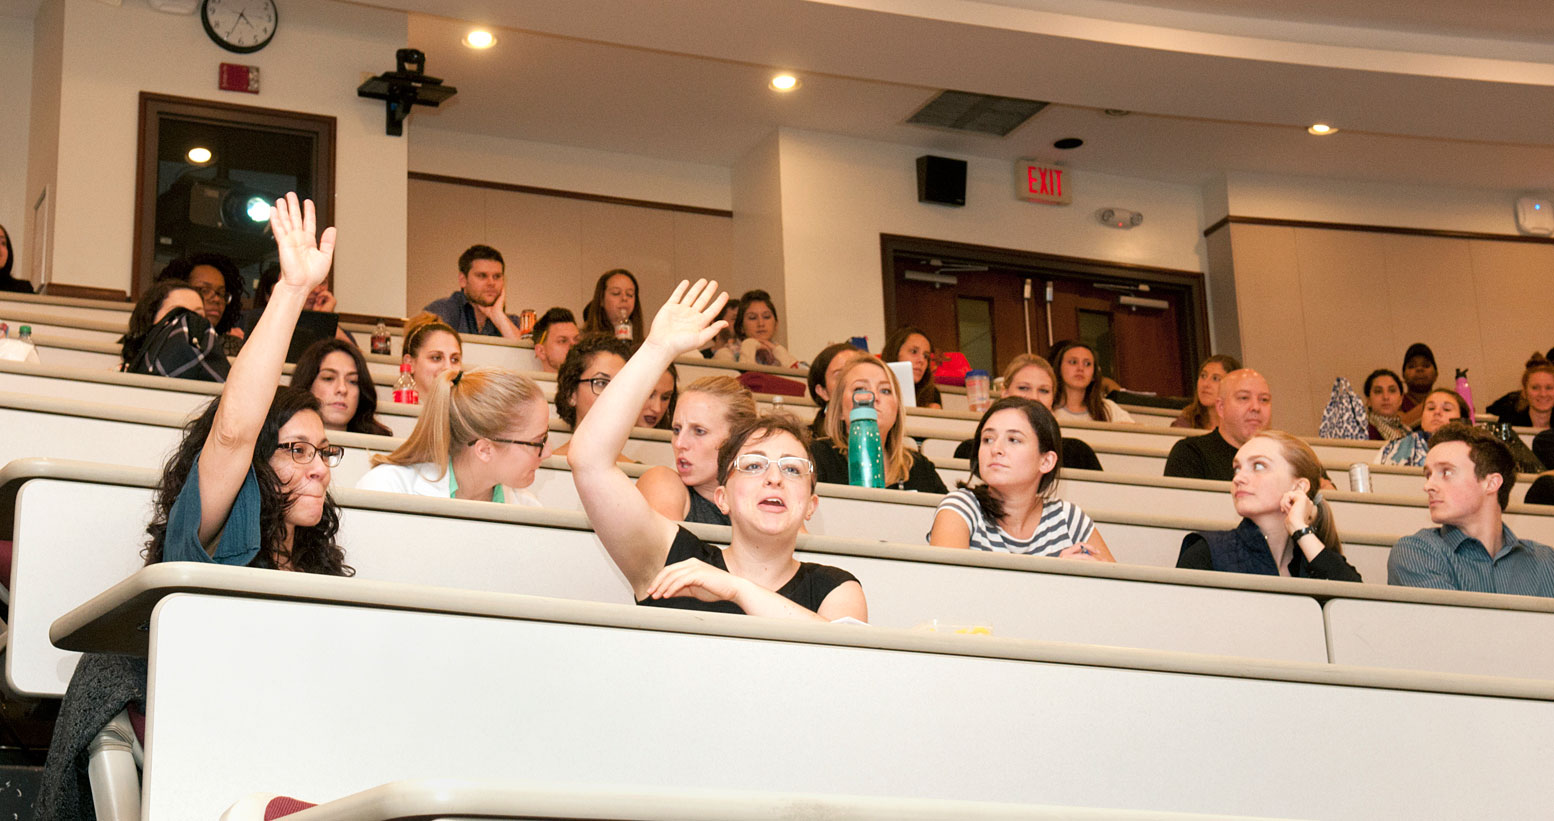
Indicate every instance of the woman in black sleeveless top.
{"type": "Point", "coordinates": [708, 409]}
{"type": "Point", "coordinates": [766, 485]}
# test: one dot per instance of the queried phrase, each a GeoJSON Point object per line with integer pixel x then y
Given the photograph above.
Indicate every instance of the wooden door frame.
{"type": "Point", "coordinates": [153, 106]}
{"type": "Point", "coordinates": [1195, 345]}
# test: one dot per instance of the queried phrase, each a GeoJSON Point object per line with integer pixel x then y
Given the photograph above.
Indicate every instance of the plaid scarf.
{"type": "Point", "coordinates": [184, 345]}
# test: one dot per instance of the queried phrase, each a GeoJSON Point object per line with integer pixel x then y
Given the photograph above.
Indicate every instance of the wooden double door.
{"type": "Point", "coordinates": [1148, 335]}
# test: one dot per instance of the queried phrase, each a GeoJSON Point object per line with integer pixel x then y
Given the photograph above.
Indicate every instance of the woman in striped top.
{"type": "Point", "coordinates": [1011, 510]}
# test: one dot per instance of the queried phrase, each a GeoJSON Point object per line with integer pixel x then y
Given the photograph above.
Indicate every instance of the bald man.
{"type": "Point", "coordinates": [1245, 407]}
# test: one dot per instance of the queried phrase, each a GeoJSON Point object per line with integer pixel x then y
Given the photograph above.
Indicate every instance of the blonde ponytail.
{"type": "Point", "coordinates": [465, 406]}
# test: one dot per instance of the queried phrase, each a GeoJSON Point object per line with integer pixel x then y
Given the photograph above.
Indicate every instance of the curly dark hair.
{"type": "Point", "coordinates": [1049, 438]}
{"type": "Point", "coordinates": [365, 420]}
{"type": "Point", "coordinates": [232, 278]}
{"type": "Point", "coordinates": [313, 548]}
{"type": "Point", "coordinates": [569, 376]}
{"type": "Point", "coordinates": [143, 318]}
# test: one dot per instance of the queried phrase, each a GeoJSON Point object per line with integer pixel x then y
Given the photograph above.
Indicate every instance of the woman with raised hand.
{"type": "Point", "coordinates": [765, 486]}
{"type": "Point", "coordinates": [1286, 529]}
{"type": "Point", "coordinates": [1080, 395]}
{"type": "Point", "coordinates": [335, 372]}
{"type": "Point", "coordinates": [1009, 507]}
{"type": "Point", "coordinates": [904, 469]}
{"type": "Point", "coordinates": [249, 483]}
{"type": "Point", "coordinates": [708, 410]}
{"type": "Point", "coordinates": [1440, 406]}
{"type": "Point", "coordinates": [481, 436]}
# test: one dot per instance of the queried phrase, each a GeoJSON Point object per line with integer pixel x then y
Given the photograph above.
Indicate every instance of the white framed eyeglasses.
{"type": "Point", "coordinates": [789, 467]}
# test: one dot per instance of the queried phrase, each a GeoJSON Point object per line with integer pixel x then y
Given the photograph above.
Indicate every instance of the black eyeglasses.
{"type": "Point", "coordinates": [210, 292]}
{"type": "Point", "coordinates": [789, 467]}
{"type": "Point", "coordinates": [598, 383]}
{"type": "Point", "coordinates": [303, 452]}
{"type": "Point", "coordinates": [539, 447]}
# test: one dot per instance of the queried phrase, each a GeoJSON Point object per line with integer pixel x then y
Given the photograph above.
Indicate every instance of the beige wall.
{"type": "Point", "coordinates": [840, 194]}
{"type": "Point", "coordinates": [112, 53]}
{"type": "Point", "coordinates": [1314, 304]}
{"type": "Point", "coordinates": [16, 82]}
{"type": "Point", "coordinates": [557, 247]}
{"type": "Point", "coordinates": [43, 127]}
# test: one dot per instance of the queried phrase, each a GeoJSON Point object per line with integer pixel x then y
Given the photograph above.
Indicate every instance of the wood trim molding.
{"type": "Point", "coordinates": [85, 292]}
{"type": "Point", "coordinates": [1375, 229]}
{"type": "Point", "coordinates": [571, 195]}
{"type": "Point", "coordinates": [372, 319]}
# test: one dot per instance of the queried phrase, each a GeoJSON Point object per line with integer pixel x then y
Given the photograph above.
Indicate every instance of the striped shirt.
{"type": "Point", "coordinates": [1448, 559]}
{"type": "Point", "coordinates": [1062, 526]}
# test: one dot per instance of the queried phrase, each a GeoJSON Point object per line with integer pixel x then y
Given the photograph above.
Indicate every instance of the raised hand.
{"type": "Point", "coordinates": [689, 320]}
{"type": "Point", "coordinates": [304, 261]}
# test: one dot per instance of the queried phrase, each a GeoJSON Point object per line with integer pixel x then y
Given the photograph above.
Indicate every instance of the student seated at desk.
{"type": "Point", "coordinates": [431, 347]}
{"type": "Point", "coordinates": [1440, 406]}
{"type": "Point", "coordinates": [168, 335]}
{"type": "Point", "coordinates": [481, 435]}
{"type": "Point", "coordinates": [1010, 509]}
{"type": "Point", "coordinates": [335, 372]}
{"type": "Point", "coordinates": [707, 411]}
{"type": "Point", "coordinates": [1031, 377]}
{"type": "Point", "coordinates": [249, 483]}
{"type": "Point", "coordinates": [766, 486]}
{"type": "Point", "coordinates": [904, 470]}
{"type": "Point", "coordinates": [590, 365]}
{"type": "Point", "coordinates": [1286, 529]}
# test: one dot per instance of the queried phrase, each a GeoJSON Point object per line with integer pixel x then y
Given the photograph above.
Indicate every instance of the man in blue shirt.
{"type": "Point", "coordinates": [480, 304]}
{"type": "Point", "coordinates": [1468, 479]}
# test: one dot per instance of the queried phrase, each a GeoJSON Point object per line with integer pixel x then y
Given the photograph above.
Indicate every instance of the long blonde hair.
{"type": "Point", "coordinates": [1307, 466]}
{"type": "Point", "coordinates": [483, 403]}
{"type": "Point", "coordinates": [898, 458]}
{"type": "Point", "coordinates": [423, 325]}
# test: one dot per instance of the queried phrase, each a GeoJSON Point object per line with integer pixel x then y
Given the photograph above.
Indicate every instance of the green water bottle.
{"type": "Point", "coordinates": [865, 455]}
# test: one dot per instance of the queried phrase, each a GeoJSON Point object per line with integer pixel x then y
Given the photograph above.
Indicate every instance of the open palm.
{"type": "Point", "coordinates": [689, 320]}
{"type": "Point", "coordinates": [304, 262]}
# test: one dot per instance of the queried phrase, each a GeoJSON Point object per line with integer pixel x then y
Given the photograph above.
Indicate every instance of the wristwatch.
{"type": "Point", "coordinates": [1300, 534]}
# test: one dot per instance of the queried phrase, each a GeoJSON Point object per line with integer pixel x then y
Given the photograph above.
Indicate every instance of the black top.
{"type": "Point", "coordinates": [1076, 453]}
{"type": "Point", "coordinates": [831, 466]}
{"type": "Point", "coordinates": [1202, 457]}
{"type": "Point", "coordinates": [703, 511]}
{"type": "Point", "coordinates": [808, 588]}
{"type": "Point", "coordinates": [1245, 550]}
{"type": "Point", "coordinates": [1542, 491]}
{"type": "Point", "coordinates": [20, 286]}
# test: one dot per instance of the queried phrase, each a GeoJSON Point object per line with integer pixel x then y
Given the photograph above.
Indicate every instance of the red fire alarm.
{"type": "Point", "coordinates": [234, 77]}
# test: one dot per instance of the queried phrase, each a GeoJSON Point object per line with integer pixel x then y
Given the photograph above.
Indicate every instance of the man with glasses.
{"type": "Point", "coordinates": [220, 283]}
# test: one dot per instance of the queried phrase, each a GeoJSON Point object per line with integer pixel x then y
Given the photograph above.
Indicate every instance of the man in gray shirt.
{"type": "Point", "coordinates": [1468, 479]}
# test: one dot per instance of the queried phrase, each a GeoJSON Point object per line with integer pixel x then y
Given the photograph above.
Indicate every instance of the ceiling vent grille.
{"type": "Point", "coordinates": [977, 113]}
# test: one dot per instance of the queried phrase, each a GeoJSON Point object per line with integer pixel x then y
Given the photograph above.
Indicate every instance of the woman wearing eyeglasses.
{"type": "Point", "coordinates": [481, 435]}
{"type": "Point", "coordinates": [590, 365]}
{"type": "Point", "coordinates": [249, 483]}
{"type": "Point", "coordinates": [766, 485]}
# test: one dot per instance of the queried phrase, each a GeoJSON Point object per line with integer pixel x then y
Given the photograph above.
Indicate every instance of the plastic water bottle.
{"type": "Point", "coordinates": [865, 456]}
{"type": "Point", "coordinates": [623, 326]}
{"type": "Point", "coordinates": [25, 334]}
{"type": "Point", "coordinates": [380, 339]}
{"type": "Point", "coordinates": [5, 330]}
{"type": "Point", "coordinates": [404, 389]}
{"type": "Point", "coordinates": [978, 385]}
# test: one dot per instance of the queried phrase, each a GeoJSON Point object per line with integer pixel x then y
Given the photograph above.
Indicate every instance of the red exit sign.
{"type": "Point", "coordinates": [1043, 183]}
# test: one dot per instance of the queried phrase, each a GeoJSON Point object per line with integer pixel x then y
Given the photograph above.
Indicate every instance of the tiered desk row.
{"type": "Point", "coordinates": [498, 644]}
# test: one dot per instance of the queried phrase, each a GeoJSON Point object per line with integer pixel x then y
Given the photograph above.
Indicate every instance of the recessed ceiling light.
{"type": "Point", "coordinates": [1068, 143]}
{"type": "Point", "coordinates": [480, 38]}
{"type": "Point", "coordinates": [199, 155]}
{"type": "Point", "coordinates": [1321, 129]}
{"type": "Point", "coordinates": [785, 82]}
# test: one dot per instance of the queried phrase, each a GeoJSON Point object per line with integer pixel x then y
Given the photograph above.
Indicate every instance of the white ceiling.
{"type": "Point", "coordinates": [696, 108]}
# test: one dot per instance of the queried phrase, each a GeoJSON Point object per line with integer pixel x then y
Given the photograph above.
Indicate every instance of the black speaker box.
{"type": "Point", "coordinates": [941, 180]}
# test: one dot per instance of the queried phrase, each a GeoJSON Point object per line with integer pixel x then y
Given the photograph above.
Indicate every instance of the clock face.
{"type": "Point", "coordinates": [243, 26]}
